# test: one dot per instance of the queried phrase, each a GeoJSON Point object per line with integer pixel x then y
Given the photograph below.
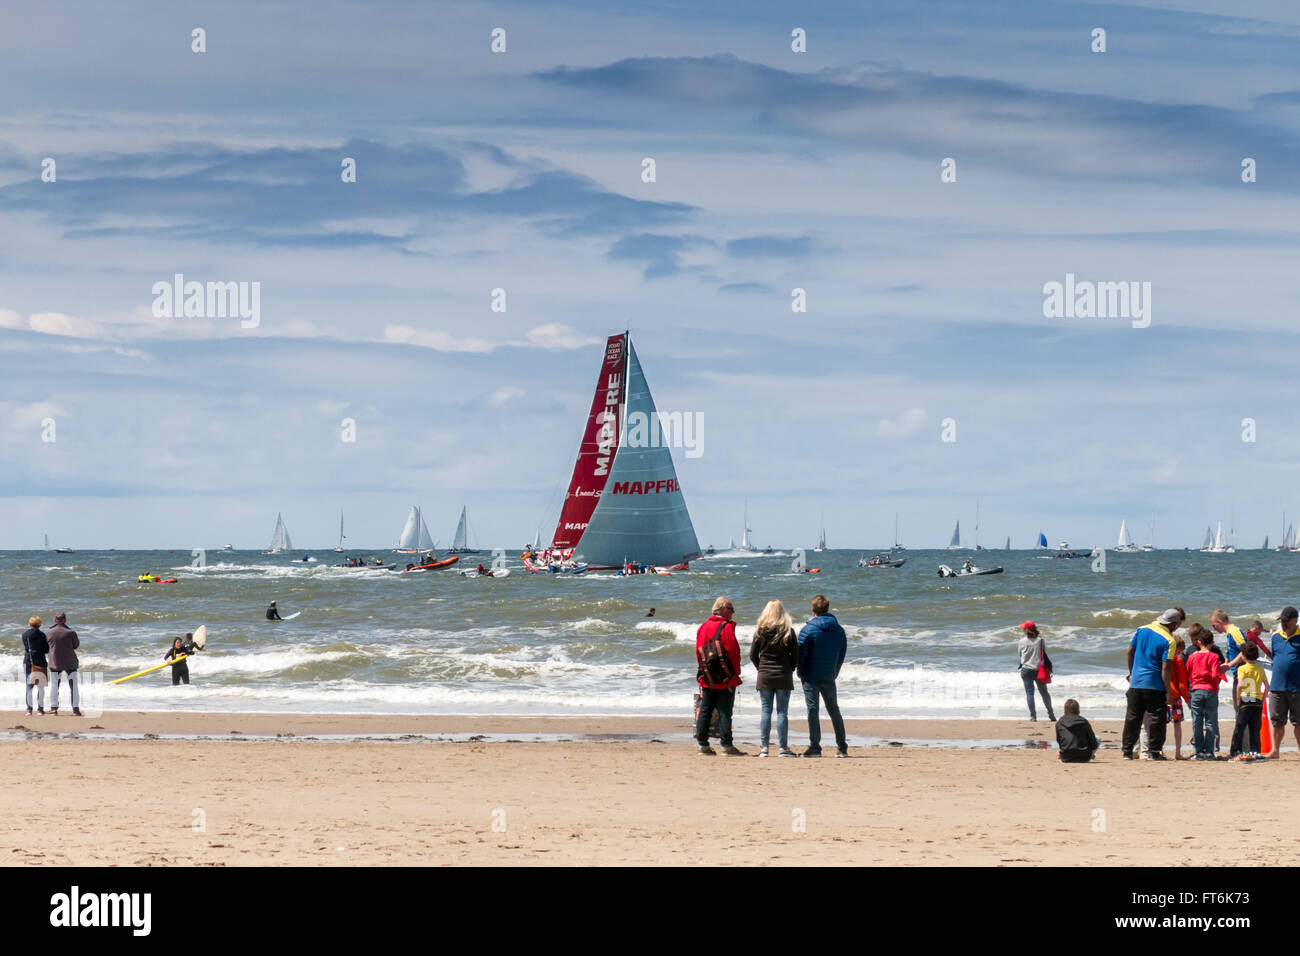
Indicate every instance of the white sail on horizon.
{"type": "Point", "coordinates": [280, 541]}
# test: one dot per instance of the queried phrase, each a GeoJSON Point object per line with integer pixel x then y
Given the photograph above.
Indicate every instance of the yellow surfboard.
{"type": "Point", "coordinates": [150, 670]}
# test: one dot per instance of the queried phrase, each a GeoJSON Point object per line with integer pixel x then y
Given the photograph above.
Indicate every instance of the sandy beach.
{"type": "Point", "coordinates": [610, 791]}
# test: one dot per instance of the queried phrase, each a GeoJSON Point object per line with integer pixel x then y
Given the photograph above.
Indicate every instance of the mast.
{"type": "Point", "coordinates": [977, 525]}
{"type": "Point", "coordinates": [341, 534]}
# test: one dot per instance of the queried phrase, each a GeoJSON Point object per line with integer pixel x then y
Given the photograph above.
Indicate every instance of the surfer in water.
{"type": "Point", "coordinates": [273, 613]}
{"type": "Point", "coordinates": [180, 669]}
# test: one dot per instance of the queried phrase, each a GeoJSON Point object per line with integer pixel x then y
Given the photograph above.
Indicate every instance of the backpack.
{"type": "Point", "coordinates": [714, 663]}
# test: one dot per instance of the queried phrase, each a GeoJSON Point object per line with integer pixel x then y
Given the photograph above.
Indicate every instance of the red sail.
{"type": "Point", "coordinates": [599, 445]}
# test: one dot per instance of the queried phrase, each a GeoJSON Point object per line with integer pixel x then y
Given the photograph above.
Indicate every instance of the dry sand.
{"type": "Point", "coordinates": [588, 801]}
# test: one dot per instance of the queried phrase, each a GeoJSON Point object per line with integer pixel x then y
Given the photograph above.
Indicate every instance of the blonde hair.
{"type": "Point", "coordinates": [33, 621]}
{"type": "Point", "coordinates": [1220, 615]}
{"type": "Point", "coordinates": [775, 615]}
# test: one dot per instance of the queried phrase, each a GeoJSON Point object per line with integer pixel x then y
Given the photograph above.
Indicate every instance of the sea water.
{"type": "Point", "coordinates": [373, 641]}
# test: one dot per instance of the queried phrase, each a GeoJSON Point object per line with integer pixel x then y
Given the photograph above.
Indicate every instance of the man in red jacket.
{"type": "Point", "coordinates": [717, 658]}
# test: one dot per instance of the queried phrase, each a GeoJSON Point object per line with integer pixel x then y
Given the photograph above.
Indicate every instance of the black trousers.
{"type": "Point", "coordinates": [722, 700]}
{"type": "Point", "coordinates": [1146, 709]}
{"type": "Point", "coordinates": [1245, 736]}
{"type": "Point", "coordinates": [180, 672]}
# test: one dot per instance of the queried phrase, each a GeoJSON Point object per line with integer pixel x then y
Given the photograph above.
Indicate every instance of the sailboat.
{"type": "Point", "coordinates": [415, 537]}
{"type": "Point", "coordinates": [731, 544]}
{"type": "Point", "coordinates": [1042, 541]}
{"type": "Point", "coordinates": [280, 542]}
{"type": "Point", "coordinates": [1008, 542]}
{"type": "Point", "coordinates": [47, 542]}
{"type": "Point", "coordinates": [1264, 546]}
{"type": "Point", "coordinates": [955, 543]}
{"type": "Point", "coordinates": [339, 549]}
{"type": "Point", "coordinates": [744, 538]}
{"type": "Point", "coordinates": [1218, 546]}
{"type": "Point", "coordinates": [821, 542]}
{"type": "Point", "coordinates": [537, 540]}
{"type": "Point", "coordinates": [460, 543]}
{"type": "Point", "coordinates": [624, 502]}
{"type": "Point", "coordinates": [978, 546]}
{"type": "Point", "coordinates": [1125, 542]}
{"type": "Point", "coordinates": [1151, 536]}
{"type": "Point", "coordinates": [897, 547]}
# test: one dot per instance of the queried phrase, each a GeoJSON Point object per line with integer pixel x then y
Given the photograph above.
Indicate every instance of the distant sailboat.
{"type": "Point", "coordinates": [897, 547]}
{"type": "Point", "coordinates": [415, 537]}
{"type": "Point", "coordinates": [537, 540]}
{"type": "Point", "coordinates": [1151, 536]}
{"type": "Point", "coordinates": [1125, 542]}
{"type": "Point", "coordinates": [280, 542]}
{"type": "Point", "coordinates": [1209, 539]}
{"type": "Point", "coordinates": [47, 542]}
{"type": "Point", "coordinates": [1008, 542]}
{"type": "Point", "coordinates": [978, 546]}
{"type": "Point", "coordinates": [1218, 546]}
{"type": "Point", "coordinates": [341, 535]}
{"type": "Point", "coordinates": [1264, 547]}
{"type": "Point", "coordinates": [955, 543]}
{"type": "Point", "coordinates": [821, 542]}
{"type": "Point", "coordinates": [1042, 540]}
{"type": "Point", "coordinates": [460, 543]}
{"type": "Point", "coordinates": [731, 544]}
{"type": "Point", "coordinates": [744, 539]}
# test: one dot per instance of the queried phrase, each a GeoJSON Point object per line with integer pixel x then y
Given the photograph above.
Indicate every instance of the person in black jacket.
{"type": "Point", "coordinates": [775, 652]}
{"type": "Point", "coordinates": [35, 647]}
{"type": "Point", "coordinates": [180, 669]}
{"type": "Point", "coordinates": [1074, 735]}
{"type": "Point", "coordinates": [273, 613]}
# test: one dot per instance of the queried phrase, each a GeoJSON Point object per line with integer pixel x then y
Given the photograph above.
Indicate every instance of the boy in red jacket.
{"type": "Point", "coordinates": [717, 658]}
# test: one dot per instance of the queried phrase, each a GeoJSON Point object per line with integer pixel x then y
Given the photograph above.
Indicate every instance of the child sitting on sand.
{"type": "Point", "coordinates": [1252, 685]}
{"type": "Point", "coordinates": [1074, 735]}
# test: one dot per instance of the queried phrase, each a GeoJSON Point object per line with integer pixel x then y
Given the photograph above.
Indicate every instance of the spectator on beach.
{"type": "Point", "coordinates": [1150, 665]}
{"type": "Point", "coordinates": [822, 646]}
{"type": "Point", "coordinates": [1252, 685]}
{"type": "Point", "coordinates": [717, 658]}
{"type": "Point", "coordinates": [63, 663]}
{"type": "Point", "coordinates": [35, 647]}
{"type": "Point", "coordinates": [1284, 702]}
{"type": "Point", "coordinates": [1236, 641]}
{"type": "Point", "coordinates": [1074, 735]}
{"type": "Point", "coordinates": [1033, 655]}
{"type": "Point", "coordinates": [775, 653]}
{"type": "Point", "coordinates": [180, 668]}
{"type": "Point", "coordinates": [1178, 679]}
{"type": "Point", "coordinates": [1204, 675]}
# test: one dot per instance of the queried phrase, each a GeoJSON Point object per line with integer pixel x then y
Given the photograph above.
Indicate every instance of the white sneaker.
{"type": "Point", "coordinates": [763, 752]}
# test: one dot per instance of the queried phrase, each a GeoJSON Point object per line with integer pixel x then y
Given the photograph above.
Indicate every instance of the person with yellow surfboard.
{"type": "Point", "coordinates": [188, 645]}
{"type": "Point", "coordinates": [177, 654]}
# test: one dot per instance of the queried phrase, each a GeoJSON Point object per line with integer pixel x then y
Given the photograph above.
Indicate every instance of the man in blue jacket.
{"type": "Point", "coordinates": [822, 646]}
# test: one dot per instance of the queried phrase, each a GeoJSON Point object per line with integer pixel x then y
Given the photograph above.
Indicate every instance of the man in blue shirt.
{"type": "Point", "coordinates": [1150, 687]}
{"type": "Point", "coordinates": [822, 646]}
{"type": "Point", "coordinates": [1284, 701]}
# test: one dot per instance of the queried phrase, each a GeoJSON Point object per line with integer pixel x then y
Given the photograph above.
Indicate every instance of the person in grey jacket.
{"type": "Point", "coordinates": [63, 663]}
{"type": "Point", "coordinates": [775, 652]}
{"type": "Point", "coordinates": [1033, 652]}
{"type": "Point", "coordinates": [822, 646]}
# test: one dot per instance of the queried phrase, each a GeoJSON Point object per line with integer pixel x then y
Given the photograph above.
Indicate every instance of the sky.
{"type": "Point", "coordinates": [522, 171]}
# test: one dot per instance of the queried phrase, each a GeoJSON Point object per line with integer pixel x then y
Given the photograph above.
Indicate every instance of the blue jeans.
{"type": "Point", "coordinates": [827, 692]}
{"type": "Point", "coordinates": [1205, 722]}
{"type": "Point", "coordinates": [1030, 677]}
{"type": "Point", "coordinates": [782, 717]}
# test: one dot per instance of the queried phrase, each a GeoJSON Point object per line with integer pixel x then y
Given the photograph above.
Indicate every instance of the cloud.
{"type": "Point", "coordinates": [293, 197]}
{"type": "Point", "coordinates": [558, 337]}
{"type": "Point", "coordinates": [745, 288]}
{"type": "Point", "coordinates": [56, 323]}
{"type": "Point", "coordinates": [504, 395]}
{"type": "Point", "coordinates": [909, 423]}
{"type": "Point", "coordinates": [661, 253]}
{"type": "Point", "coordinates": [770, 247]}
{"type": "Point", "coordinates": [434, 339]}
{"type": "Point", "coordinates": [551, 336]}
{"type": "Point", "coordinates": [982, 122]}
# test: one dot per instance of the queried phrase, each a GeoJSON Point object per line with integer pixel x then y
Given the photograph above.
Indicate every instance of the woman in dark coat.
{"type": "Point", "coordinates": [775, 652]}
